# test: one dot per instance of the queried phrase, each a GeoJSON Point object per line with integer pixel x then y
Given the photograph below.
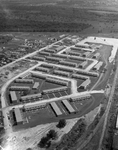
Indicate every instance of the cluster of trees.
{"type": "Point", "coordinates": [45, 142]}
{"type": "Point", "coordinates": [108, 139]}
{"type": "Point", "coordinates": [111, 125]}
{"type": "Point", "coordinates": [102, 110]}
{"type": "Point", "coordinates": [62, 123]}
{"type": "Point", "coordinates": [29, 149]}
{"type": "Point", "coordinates": [54, 19]}
{"type": "Point", "coordinates": [46, 26]}
{"type": "Point", "coordinates": [69, 140]}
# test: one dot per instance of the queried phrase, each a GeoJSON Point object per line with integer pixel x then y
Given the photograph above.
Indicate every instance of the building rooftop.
{"type": "Point", "coordinates": [56, 108]}
{"type": "Point", "coordinates": [68, 106]}
{"type": "Point", "coordinates": [55, 89]}
{"type": "Point", "coordinates": [31, 96]}
{"type": "Point", "coordinates": [99, 64]}
{"type": "Point", "coordinates": [117, 122]}
{"type": "Point", "coordinates": [24, 80]}
{"type": "Point", "coordinates": [83, 63]}
{"type": "Point", "coordinates": [35, 86]}
{"type": "Point", "coordinates": [19, 87]}
{"type": "Point", "coordinates": [18, 115]}
{"type": "Point", "coordinates": [34, 105]}
{"type": "Point", "coordinates": [13, 96]}
{"type": "Point", "coordinates": [81, 96]}
{"type": "Point", "coordinates": [86, 83]}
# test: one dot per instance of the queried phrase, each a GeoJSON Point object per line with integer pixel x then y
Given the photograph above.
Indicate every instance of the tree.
{"type": "Point", "coordinates": [48, 144]}
{"type": "Point", "coordinates": [61, 123]}
{"type": "Point", "coordinates": [65, 148]}
{"type": "Point", "coordinates": [43, 142]}
{"type": "Point", "coordinates": [52, 134]}
{"type": "Point", "coordinates": [29, 149]}
{"type": "Point", "coordinates": [25, 93]}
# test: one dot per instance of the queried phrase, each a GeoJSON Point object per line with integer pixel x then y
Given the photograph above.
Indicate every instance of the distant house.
{"type": "Point", "coordinates": [13, 97]}
{"type": "Point", "coordinates": [30, 81]}
{"type": "Point", "coordinates": [68, 106]}
{"type": "Point", "coordinates": [85, 84]}
{"type": "Point", "coordinates": [35, 86]}
{"type": "Point", "coordinates": [117, 123]}
{"type": "Point", "coordinates": [17, 116]}
{"type": "Point", "coordinates": [83, 64]}
{"type": "Point", "coordinates": [96, 56]}
{"type": "Point", "coordinates": [86, 54]}
{"type": "Point", "coordinates": [97, 67]}
{"type": "Point", "coordinates": [56, 109]}
{"type": "Point", "coordinates": [19, 88]}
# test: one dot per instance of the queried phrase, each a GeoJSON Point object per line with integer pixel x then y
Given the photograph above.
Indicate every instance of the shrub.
{"type": "Point", "coordinates": [61, 123]}
{"type": "Point", "coordinates": [52, 134]}
{"type": "Point", "coordinates": [29, 149]}
{"type": "Point", "coordinates": [43, 142]}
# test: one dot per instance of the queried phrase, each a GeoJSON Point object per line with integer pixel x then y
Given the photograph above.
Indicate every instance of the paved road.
{"type": "Point", "coordinates": [108, 108]}
{"type": "Point", "coordinates": [91, 65]}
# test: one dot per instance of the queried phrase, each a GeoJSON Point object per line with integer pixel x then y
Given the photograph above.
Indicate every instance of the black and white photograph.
{"type": "Point", "coordinates": [58, 74]}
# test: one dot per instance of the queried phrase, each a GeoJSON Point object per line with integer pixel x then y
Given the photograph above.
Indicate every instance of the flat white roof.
{"type": "Point", "coordinates": [20, 87]}
{"type": "Point", "coordinates": [99, 64]}
{"type": "Point", "coordinates": [24, 80]}
{"type": "Point", "coordinates": [86, 83]}
{"type": "Point", "coordinates": [13, 96]}
{"type": "Point", "coordinates": [68, 106]}
{"type": "Point", "coordinates": [84, 63]}
{"type": "Point", "coordinates": [56, 108]}
{"type": "Point", "coordinates": [117, 122]}
{"type": "Point", "coordinates": [18, 115]}
{"type": "Point", "coordinates": [97, 54]}
{"type": "Point", "coordinates": [36, 84]}
{"type": "Point", "coordinates": [31, 96]}
{"type": "Point", "coordinates": [55, 89]}
{"type": "Point", "coordinates": [34, 105]}
{"type": "Point", "coordinates": [79, 76]}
